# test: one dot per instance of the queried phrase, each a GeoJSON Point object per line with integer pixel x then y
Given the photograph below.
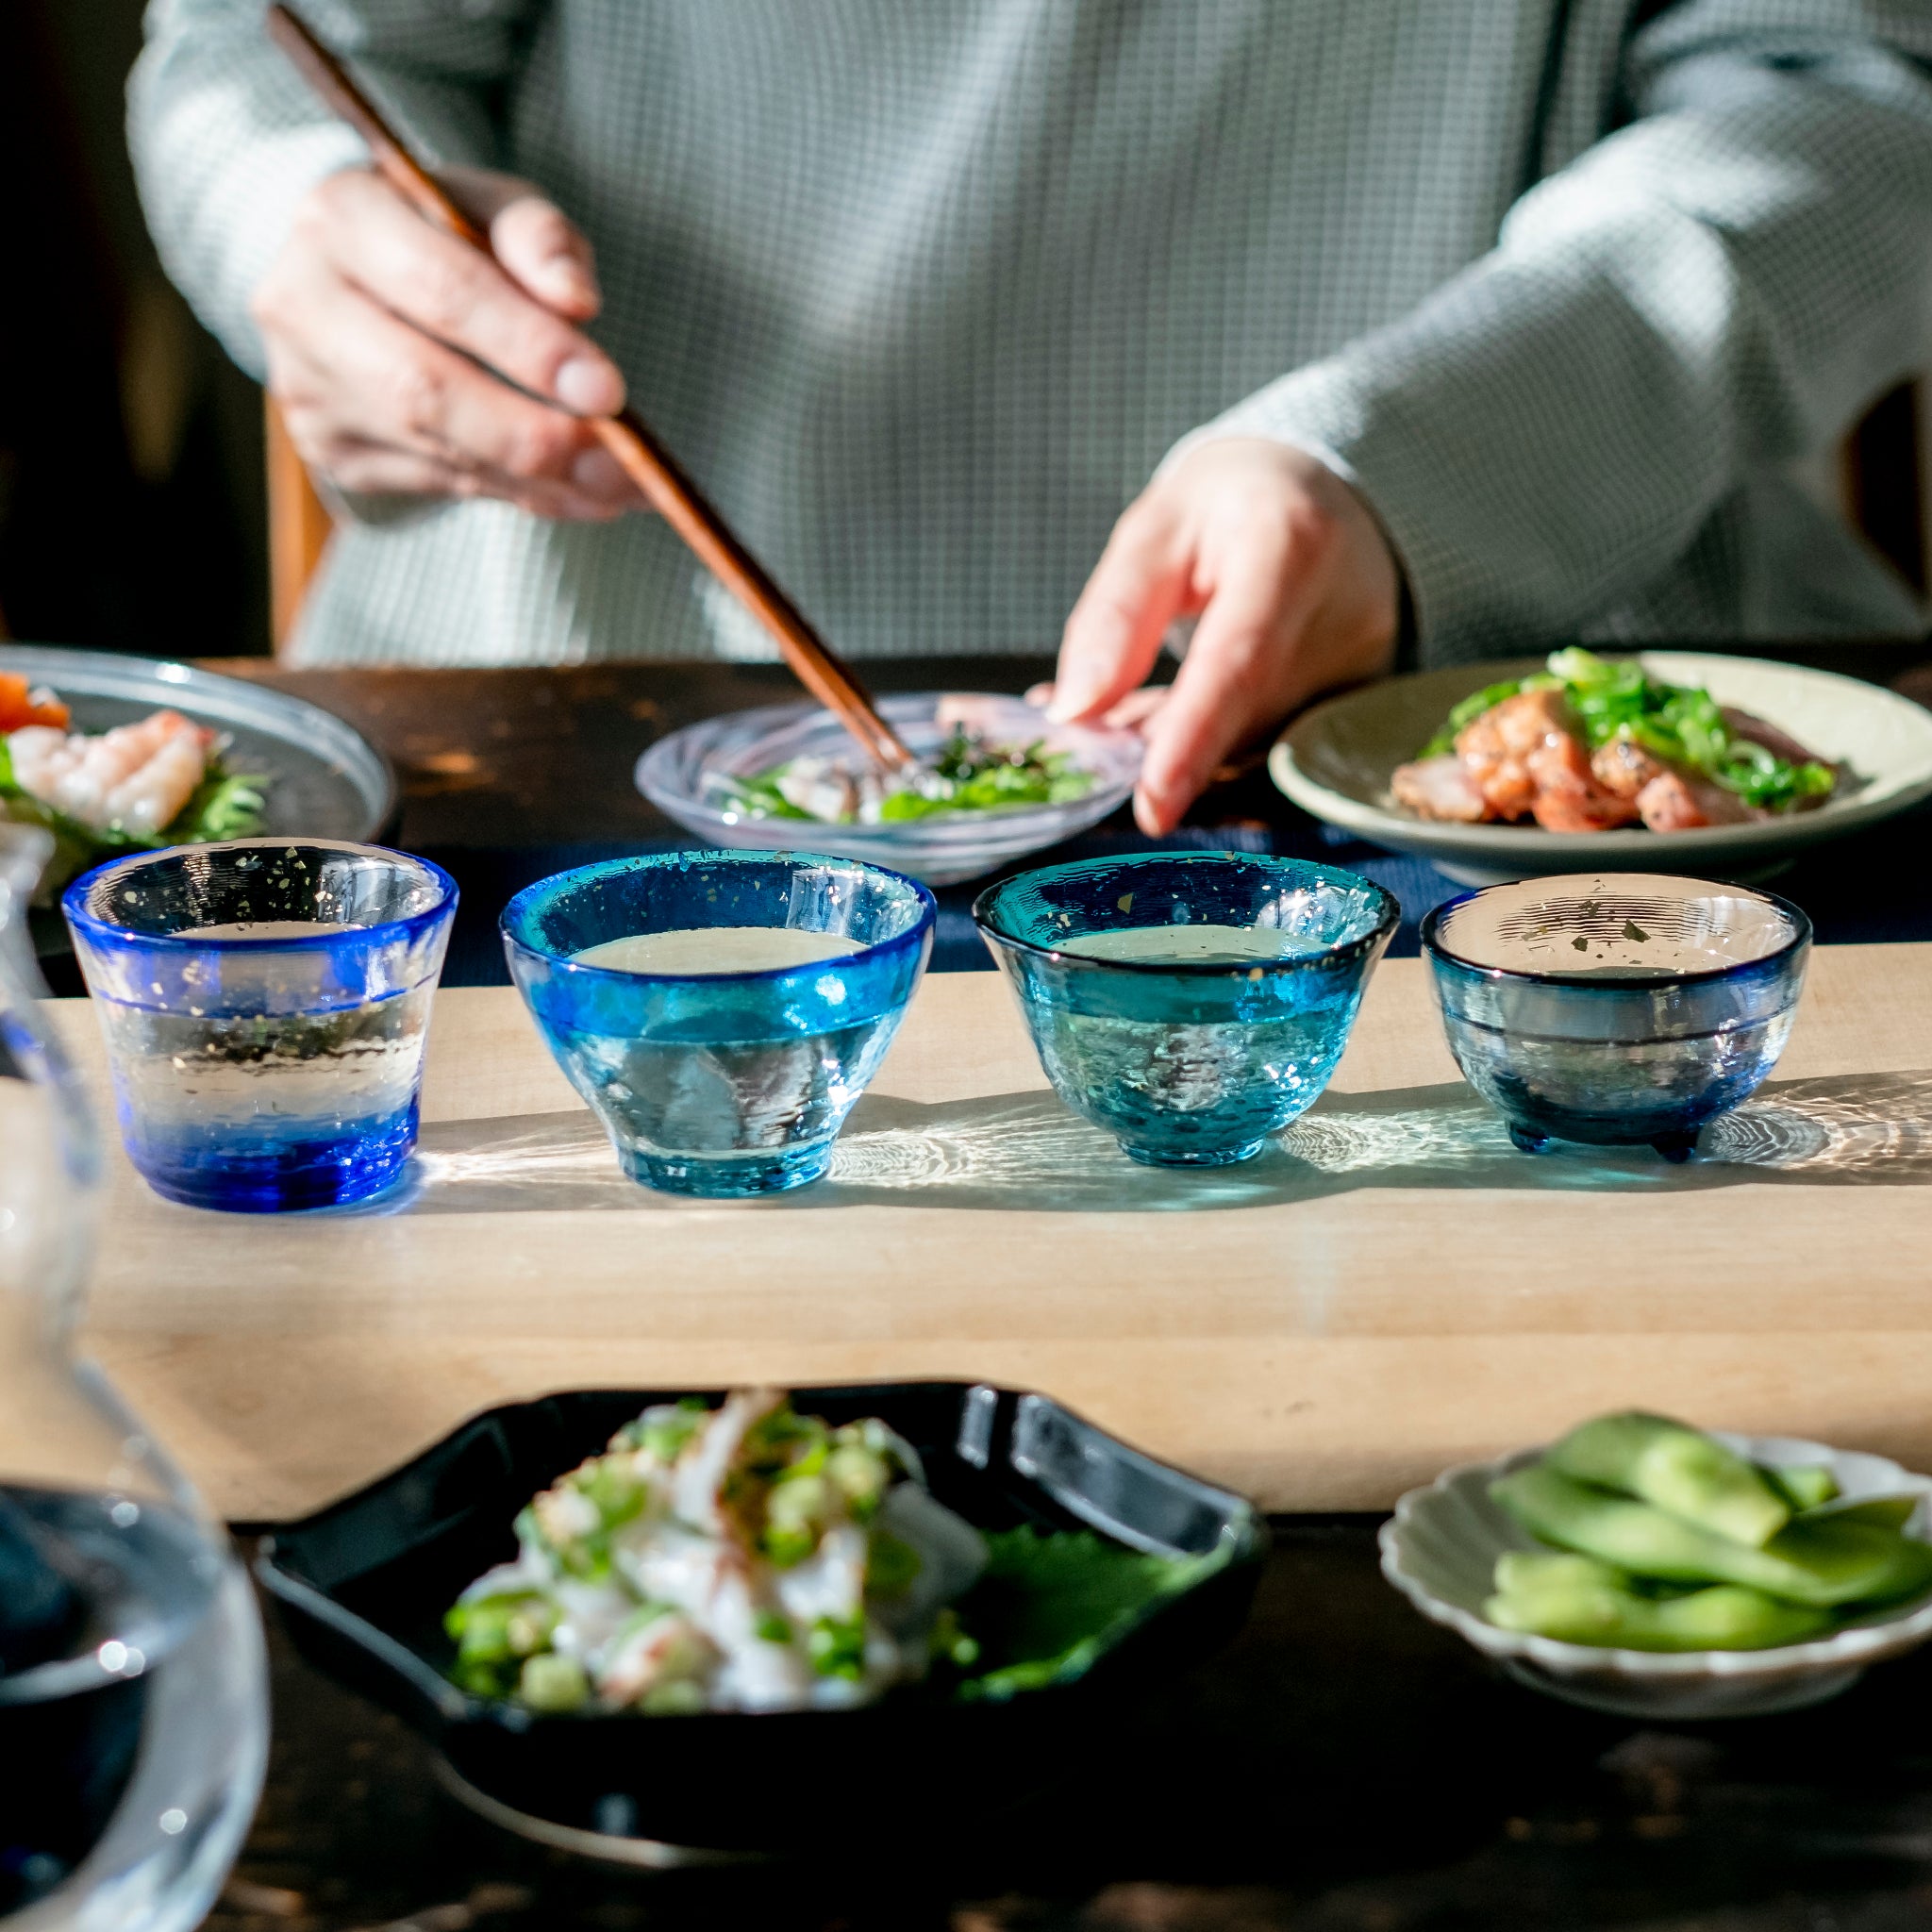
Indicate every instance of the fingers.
{"type": "Point", "coordinates": [533, 241]}
{"type": "Point", "coordinates": [379, 469]}
{"type": "Point", "coordinates": [378, 407]}
{"type": "Point", "coordinates": [452, 291]}
{"type": "Point", "coordinates": [1136, 708]}
{"type": "Point", "coordinates": [1139, 586]}
{"type": "Point", "coordinates": [1233, 678]}
{"type": "Point", "coordinates": [1128, 715]}
{"type": "Point", "coordinates": [548, 255]}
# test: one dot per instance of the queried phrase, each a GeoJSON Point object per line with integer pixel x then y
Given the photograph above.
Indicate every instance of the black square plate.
{"type": "Point", "coordinates": [364, 1585]}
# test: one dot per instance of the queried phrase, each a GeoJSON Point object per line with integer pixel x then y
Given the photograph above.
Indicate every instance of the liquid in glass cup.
{"type": "Point", "coordinates": [721, 1012]}
{"type": "Point", "coordinates": [1616, 1009]}
{"type": "Point", "coordinates": [1191, 1004]}
{"type": "Point", "coordinates": [265, 1003]}
{"type": "Point", "coordinates": [133, 1707]}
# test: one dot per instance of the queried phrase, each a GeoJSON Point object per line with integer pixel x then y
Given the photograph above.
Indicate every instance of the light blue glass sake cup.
{"type": "Point", "coordinates": [265, 1003]}
{"type": "Point", "coordinates": [1189, 1064]}
{"type": "Point", "coordinates": [728, 1082]}
{"type": "Point", "coordinates": [1616, 1009]}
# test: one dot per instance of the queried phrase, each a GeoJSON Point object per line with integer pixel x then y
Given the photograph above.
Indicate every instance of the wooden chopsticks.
{"type": "Point", "coordinates": [666, 486]}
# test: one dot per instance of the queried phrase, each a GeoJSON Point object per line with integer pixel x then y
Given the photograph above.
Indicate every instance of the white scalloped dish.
{"type": "Point", "coordinates": [1439, 1550]}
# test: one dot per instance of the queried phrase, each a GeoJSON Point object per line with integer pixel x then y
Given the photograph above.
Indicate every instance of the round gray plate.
{"type": "Point", "coordinates": [326, 780]}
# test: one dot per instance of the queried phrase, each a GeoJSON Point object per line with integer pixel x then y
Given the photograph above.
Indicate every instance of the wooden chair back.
{"type": "Point", "coordinates": [298, 528]}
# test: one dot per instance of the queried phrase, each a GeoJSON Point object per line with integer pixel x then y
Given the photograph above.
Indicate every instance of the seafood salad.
{"type": "Point", "coordinates": [746, 1557]}
{"type": "Point", "coordinates": [1592, 744]}
{"type": "Point", "coordinates": [974, 769]}
{"type": "Point", "coordinates": [157, 781]}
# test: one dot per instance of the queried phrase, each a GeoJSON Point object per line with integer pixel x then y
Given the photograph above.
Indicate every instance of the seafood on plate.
{"type": "Point", "coordinates": [978, 768]}
{"type": "Point", "coordinates": [1591, 744]}
{"type": "Point", "coordinates": [157, 781]}
{"type": "Point", "coordinates": [745, 1557]}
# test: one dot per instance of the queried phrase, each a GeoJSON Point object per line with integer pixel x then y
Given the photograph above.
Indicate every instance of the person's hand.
{"type": "Point", "coordinates": [1295, 587]}
{"type": "Point", "coordinates": [375, 322]}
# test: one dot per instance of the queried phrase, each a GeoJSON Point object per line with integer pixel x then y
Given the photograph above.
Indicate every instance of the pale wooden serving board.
{"type": "Point", "coordinates": [1320, 1329]}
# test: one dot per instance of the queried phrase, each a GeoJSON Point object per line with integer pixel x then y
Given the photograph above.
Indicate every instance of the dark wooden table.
{"type": "Point", "coordinates": [501, 758]}
{"type": "Point", "coordinates": [1344, 1765]}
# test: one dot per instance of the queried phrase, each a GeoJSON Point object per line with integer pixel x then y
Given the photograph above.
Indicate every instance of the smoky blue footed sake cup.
{"type": "Point", "coordinates": [1191, 1004]}
{"type": "Point", "coordinates": [265, 1003]}
{"type": "Point", "coordinates": [762, 991]}
{"type": "Point", "coordinates": [1618, 1009]}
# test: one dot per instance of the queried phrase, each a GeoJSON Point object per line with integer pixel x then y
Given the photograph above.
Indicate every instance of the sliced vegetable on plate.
{"type": "Point", "coordinates": [1674, 1541]}
{"type": "Point", "coordinates": [977, 768]}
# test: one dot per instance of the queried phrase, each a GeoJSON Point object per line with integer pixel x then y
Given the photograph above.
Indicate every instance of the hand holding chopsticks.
{"type": "Point", "coordinates": [631, 443]}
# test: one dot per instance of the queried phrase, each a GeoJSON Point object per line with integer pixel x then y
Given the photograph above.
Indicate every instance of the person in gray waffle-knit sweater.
{"type": "Point", "coordinates": [1492, 322]}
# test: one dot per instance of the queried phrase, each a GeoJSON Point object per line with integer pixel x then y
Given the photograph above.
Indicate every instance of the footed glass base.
{"type": "Point", "coordinates": [1677, 1144]}
{"type": "Point", "coordinates": [1193, 1157]}
{"type": "Point", "coordinates": [270, 1169]}
{"type": "Point", "coordinates": [728, 1176]}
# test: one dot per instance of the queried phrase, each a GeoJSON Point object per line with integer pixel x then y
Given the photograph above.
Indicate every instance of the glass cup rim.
{"type": "Point", "coordinates": [1340, 951]}
{"type": "Point", "coordinates": [928, 915]}
{"type": "Point", "coordinates": [1434, 950]}
{"type": "Point", "coordinates": [385, 931]}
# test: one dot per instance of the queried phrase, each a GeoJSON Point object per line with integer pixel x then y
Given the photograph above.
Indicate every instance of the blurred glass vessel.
{"type": "Point", "coordinates": [133, 1711]}
{"type": "Point", "coordinates": [1622, 1008]}
{"type": "Point", "coordinates": [1189, 1048]}
{"type": "Point", "coordinates": [688, 775]}
{"type": "Point", "coordinates": [265, 1003]}
{"type": "Point", "coordinates": [720, 1082]}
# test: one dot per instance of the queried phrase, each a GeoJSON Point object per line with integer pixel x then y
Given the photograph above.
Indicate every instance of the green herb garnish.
{"type": "Point", "coordinates": [967, 775]}
{"type": "Point", "coordinates": [1611, 698]}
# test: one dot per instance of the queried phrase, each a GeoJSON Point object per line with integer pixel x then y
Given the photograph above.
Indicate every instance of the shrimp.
{"type": "Point", "coordinates": [135, 778]}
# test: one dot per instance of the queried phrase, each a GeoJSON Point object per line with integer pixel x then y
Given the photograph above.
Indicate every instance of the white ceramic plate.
{"type": "Point", "coordinates": [1439, 1550]}
{"type": "Point", "coordinates": [1336, 761]}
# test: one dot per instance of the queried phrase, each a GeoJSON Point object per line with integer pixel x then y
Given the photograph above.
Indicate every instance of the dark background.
{"type": "Point", "coordinates": [133, 511]}
{"type": "Point", "coordinates": [132, 506]}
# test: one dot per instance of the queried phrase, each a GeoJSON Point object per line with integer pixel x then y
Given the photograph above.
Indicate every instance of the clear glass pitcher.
{"type": "Point", "coordinates": [133, 1708]}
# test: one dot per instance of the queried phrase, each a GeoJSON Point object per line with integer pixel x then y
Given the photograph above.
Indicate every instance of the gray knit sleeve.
{"type": "Point", "coordinates": [226, 140]}
{"type": "Point", "coordinates": [1711, 291]}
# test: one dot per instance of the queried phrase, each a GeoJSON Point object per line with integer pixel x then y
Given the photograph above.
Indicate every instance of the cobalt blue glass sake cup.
{"type": "Point", "coordinates": [1192, 1052]}
{"type": "Point", "coordinates": [265, 1003]}
{"type": "Point", "coordinates": [711, 1081]}
{"type": "Point", "coordinates": [1622, 1008]}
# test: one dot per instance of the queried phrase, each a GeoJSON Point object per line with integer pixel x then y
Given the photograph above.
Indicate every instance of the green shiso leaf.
{"type": "Point", "coordinates": [758, 797]}
{"type": "Point", "coordinates": [1049, 1605]}
{"type": "Point", "coordinates": [225, 805]}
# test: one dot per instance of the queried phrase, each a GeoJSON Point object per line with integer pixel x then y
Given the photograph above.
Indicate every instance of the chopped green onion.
{"type": "Point", "coordinates": [837, 1647]}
